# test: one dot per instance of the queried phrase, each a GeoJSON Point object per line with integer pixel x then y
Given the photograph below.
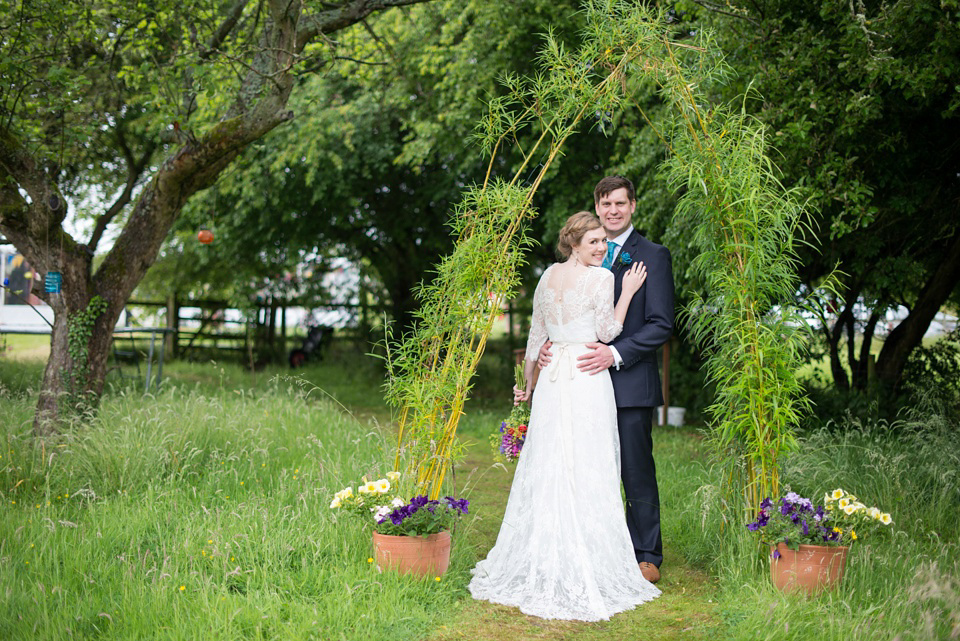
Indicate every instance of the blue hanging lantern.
{"type": "Point", "coordinates": [53, 282]}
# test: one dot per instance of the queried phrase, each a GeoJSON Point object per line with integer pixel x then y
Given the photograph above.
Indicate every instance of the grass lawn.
{"type": "Point", "coordinates": [201, 511]}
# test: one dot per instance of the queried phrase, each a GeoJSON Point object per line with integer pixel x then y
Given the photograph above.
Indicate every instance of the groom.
{"type": "Point", "coordinates": [632, 359]}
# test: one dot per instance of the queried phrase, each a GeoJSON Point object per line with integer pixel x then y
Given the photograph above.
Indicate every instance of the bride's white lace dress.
{"type": "Point", "coordinates": [563, 551]}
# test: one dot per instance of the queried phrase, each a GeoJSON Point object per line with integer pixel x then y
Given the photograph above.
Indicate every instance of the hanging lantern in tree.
{"type": "Point", "coordinates": [53, 282]}
{"type": "Point", "coordinates": [205, 236]}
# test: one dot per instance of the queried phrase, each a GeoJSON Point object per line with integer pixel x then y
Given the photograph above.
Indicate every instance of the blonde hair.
{"type": "Point", "coordinates": [573, 231]}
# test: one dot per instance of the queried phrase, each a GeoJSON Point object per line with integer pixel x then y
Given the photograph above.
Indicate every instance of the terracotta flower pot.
{"type": "Point", "coordinates": [423, 556]}
{"type": "Point", "coordinates": [811, 569]}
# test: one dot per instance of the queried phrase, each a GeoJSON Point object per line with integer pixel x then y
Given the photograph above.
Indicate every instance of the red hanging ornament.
{"type": "Point", "coordinates": [205, 236]}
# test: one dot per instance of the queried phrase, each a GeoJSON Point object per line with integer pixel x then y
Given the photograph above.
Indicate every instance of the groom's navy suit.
{"type": "Point", "coordinates": [636, 385]}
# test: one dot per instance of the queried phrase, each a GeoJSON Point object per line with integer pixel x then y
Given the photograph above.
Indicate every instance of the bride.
{"type": "Point", "coordinates": [563, 551]}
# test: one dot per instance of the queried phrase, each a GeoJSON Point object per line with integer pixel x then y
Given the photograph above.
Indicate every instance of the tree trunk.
{"type": "Point", "coordinates": [861, 367]}
{"type": "Point", "coordinates": [74, 376]}
{"type": "Point", "coordinates": [834, 337]}
{"type": "Point", "coordinates": [909, 334]}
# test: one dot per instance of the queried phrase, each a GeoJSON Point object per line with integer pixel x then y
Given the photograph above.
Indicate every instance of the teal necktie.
{"type": "Point", "coordinates": [611, 250]}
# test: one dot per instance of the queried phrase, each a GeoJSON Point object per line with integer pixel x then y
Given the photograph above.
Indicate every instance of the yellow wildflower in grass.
{"type": "Point", "coordinates": [837, 494]}
{"type": "Point", "coordinates": [335, 503]}
{"type": "Point", "coordinates": [850, 509]}
{"type": "Point", "coordinates": [383, 486]}
{"type": "Point", "coordinates": [210, 541]}
{"type": "Point", "coordinates": [843, 503]}
{"type": "Point", "coordinates": [182, 588]}
{"type": "Point", "coordinates": [838, 530]}
{"type": "Point", "coordinates": [370, 560]}
{"type": "Point", "coordinates": [873, 513]}
{"type": "Point", "coordinates": [393, 476]}
{"type": "Point", "coordinates": [885, 519]}
{"type": "Point", "coordinates": [436, 578]}
{"type": "Point", "coordinates": [853, 535]}
{"type": "Point", "coordinates": [370, 487]}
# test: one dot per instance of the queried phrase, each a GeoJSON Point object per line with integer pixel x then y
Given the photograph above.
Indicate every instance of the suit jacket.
{"type": "Point", "coordinates": [648, 325]}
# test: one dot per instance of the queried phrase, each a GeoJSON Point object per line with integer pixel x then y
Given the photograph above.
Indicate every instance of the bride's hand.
{"type": "Point", "coordinates": [634, 278]}
{"type": "Point", "coordinates": [519, 395]}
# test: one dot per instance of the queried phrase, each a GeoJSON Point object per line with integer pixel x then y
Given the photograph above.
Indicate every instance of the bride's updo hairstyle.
{"type": "Point", "coordinates": [573, 231]}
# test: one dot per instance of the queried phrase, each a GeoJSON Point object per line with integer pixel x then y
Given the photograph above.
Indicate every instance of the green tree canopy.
{"type": "Point", "coordinates": [862, 99]}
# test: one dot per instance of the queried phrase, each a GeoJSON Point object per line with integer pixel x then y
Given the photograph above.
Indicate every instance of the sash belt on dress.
{"type": "Point", "coordinates": [564, 359]}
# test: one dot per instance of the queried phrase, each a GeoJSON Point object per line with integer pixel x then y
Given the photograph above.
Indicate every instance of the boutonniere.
{"type": "Point", "coordinates": [624, 258]}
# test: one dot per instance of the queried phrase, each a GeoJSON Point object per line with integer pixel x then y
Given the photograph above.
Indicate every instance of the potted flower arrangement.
{"type": "Point", "coordinates": [508, 440]}
{"type": "Point", "coordinates": [809, 543]}
{"type": "Point", "coordinates": [412, 536]}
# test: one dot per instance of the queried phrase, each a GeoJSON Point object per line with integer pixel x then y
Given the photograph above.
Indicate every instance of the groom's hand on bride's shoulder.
{"type": "Point", "coordinates": [596, 360]}
{"type": "Point", "coordinates": [544, 359]}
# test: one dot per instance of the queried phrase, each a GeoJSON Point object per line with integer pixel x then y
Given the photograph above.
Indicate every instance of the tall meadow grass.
{"type": "Point", "coordinates": [902, 585]}
{"type": "Point", "coordinates": [199, 513]}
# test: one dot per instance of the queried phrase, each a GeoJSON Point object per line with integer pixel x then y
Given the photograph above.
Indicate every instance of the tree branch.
{"type": "Point", "coordinates": [226, 28]}
{"type": "Point", "coordinates": [715, 8]}
{"type": "Point", "coordinates": [340, 17]}
{"type": "Point", "coordinates": [135, 168]}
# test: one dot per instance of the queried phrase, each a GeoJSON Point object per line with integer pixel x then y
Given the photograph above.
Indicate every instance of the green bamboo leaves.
{"type": "Point", "coordinates": [746, 226]}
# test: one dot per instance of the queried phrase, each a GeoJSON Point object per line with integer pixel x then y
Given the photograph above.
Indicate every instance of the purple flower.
{"type": "Point", "coordinates": [753, 527]}
{"type": "Point", "coordinates": [765, 503]}
{"type": "Point", "coordinates": [776, 553]}
{"type": "Point", "coordinates": [806, 529]}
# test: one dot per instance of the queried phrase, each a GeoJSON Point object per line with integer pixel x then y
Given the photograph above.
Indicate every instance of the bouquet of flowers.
{"type": "Point", "coordinates": [508, 440]}
{"type": "Point", "coordinates": [392, 514]}
{"type": "Point", "coordinates": [795, 520]}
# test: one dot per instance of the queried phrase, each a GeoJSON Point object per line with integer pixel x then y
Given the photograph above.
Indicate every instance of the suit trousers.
{"type": "Point", "coordinates": [639, 475]}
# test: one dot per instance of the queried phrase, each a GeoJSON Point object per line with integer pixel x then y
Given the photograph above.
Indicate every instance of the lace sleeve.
{"type": "Point", "coordinates": [538, 327]}
{"type": "Point", "coordinates": [607, 326]}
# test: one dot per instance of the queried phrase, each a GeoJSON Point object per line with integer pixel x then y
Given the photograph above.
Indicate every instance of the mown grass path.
{"type": "Point", "coordinates": [687, 609]}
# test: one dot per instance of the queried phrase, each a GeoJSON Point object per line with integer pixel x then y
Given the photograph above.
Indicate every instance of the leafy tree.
{"type": "Point", "coordinates": [143, 104]}
{"type": "Point", "coordinates": [862, 98]}
{"type": "Point", "coordinates": [381, 148]}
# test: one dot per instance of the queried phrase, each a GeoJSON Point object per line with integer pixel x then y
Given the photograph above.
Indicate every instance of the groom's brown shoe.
{"type": "Point", "coordinates": [649, 571]}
